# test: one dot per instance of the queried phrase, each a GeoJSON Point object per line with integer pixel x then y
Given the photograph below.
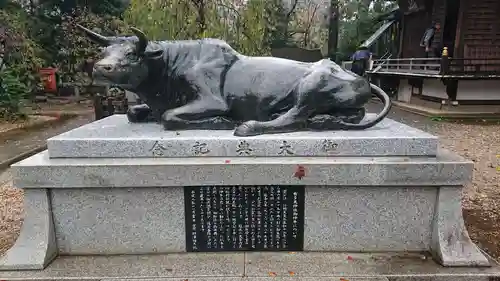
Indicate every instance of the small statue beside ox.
{"type": "Point", "coordinates": [206, 84]}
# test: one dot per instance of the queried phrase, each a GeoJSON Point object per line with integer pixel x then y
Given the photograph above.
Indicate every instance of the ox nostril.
{"type": "Point", "coordinates": [107, 67]}
{"type": "Point", "coordinates": [104, 67]}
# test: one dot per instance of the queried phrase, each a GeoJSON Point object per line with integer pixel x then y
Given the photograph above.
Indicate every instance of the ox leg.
{"type": "Point", "coordinates": [308, 104]}
{"type": "Point", "coordinates": [293, 120]}
{"type": "Point", "coordinates": [325, 122]}
{"type": "Point", "coordinates": [140, 113]}
{"type": "Point", "coordinates": [209, 110]}
{"type": "Point", "coordinates": [203, 114]}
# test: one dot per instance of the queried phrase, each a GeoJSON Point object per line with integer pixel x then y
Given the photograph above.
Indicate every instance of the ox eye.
{"type": "Point", "coordinates": [131, 56]}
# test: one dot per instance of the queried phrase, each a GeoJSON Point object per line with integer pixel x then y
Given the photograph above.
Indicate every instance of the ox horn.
{"type": "Point", "coordinates": [94, 36]}
{"type": "Point", "coordinates": [143, 40]}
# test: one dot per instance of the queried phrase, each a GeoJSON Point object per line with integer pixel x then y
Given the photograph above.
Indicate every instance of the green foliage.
{"type": "Point", "coordinates": [75, 47]}
{"type": "Point", "coordinates": [64, 46]}
{"type": "Point", "coordinates": [253, 25]}
{"type": "Point", "coordinates": [358, 22]}
{"type": "Point", "coordinates": [43, 36]}
{"type": "Point", "coordinates": [19, 59]}
{"type": "Point", "coordinates": [58, 8]}
{"type": "Point", "coordinates": [277, 21]}
{"type": "Point", "coordinates": [309, 25]}
{"type": "Point", "coordinates": [21, 52]}
{"type": "Point", "coordinates": [247, 27]}
{"type": "Point", "coordinates": [12, 92]}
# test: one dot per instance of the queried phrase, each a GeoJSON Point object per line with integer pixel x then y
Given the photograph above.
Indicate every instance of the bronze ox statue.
{"type": "Point", "coordinates": [206, 84]}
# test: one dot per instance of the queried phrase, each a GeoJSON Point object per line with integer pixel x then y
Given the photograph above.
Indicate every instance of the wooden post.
{"type": "Point", "coordinates": [445, 62]}
{"type": "Point", "coordinates": [333, 30]}
{"type": "Point", "coordinates": [125, 105]}
{"type": "Point", "coordinates": [110, 107]}
{"type": "Point", "coordinates": [98, 107]}
{"type": "Point", "coordinates": [451, 84]}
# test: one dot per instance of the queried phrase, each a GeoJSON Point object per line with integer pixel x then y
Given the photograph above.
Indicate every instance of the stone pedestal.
{"type": "Point", "coordinates": [111, 187]}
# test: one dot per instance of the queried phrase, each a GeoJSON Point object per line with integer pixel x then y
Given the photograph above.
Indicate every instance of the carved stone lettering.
{"type": "Point", "coordinates": [158, 149]}
{"type": "Point", "coordinates": [200, 149]}
{"type": "Point", "coordinates": [329, 146]}
{"type": "Point", "coordinates": [285, 149]}
{"type": "Point", "coordinates": [244, 149]}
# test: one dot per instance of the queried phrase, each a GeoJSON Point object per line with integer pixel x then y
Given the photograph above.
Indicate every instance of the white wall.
{"type": "Point", "coordinates": [478, 90]}
{"type": "Point", "coordinates": [131, 97]}
{"type": "Point", "coordinates": [404, 91]}
{"type": "Point", "coordinates": [467, 89]}
{"type": "Point", "coordinates": [434, 88]}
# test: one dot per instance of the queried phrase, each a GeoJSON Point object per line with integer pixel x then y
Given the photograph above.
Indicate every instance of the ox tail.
{"type": "Point", "coordinates": [384, 98]}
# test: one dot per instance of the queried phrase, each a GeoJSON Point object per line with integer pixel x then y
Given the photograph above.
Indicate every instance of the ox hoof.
{"type": "Point", "coordinates": [247, 129]}
{"type": "Point", "coordinates": [132, 116]}
{"type": "Point", "coordinates": [139, 113]}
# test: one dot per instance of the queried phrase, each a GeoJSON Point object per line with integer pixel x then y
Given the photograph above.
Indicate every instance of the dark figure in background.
{"type": "Point", "coordinates": [87, 66]}
{"type": "Point", "coordinates": [205, 84]}
{"type": "Point", "coordinates": [428, 40]}
{"type": "Point", "coordinates": [360, 60]}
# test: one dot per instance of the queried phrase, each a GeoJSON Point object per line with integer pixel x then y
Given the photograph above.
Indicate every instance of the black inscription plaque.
{"type": "Point", "coordinates": [244, 218]}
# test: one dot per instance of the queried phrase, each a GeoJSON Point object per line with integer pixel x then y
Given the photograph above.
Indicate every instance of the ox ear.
{"type": "Point", "coordinates": [94, 36]}
{"type": "Point", "coordinates": [143, 41]}
{"type": "Point", "coordinates": [153, 53]}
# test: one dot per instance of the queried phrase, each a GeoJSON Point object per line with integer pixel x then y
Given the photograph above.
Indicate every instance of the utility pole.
{"type": "Point", "coordinates": [333, 30]}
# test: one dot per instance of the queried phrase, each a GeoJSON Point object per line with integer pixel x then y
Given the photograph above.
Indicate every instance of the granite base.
{"type": "Point", "coordinates": [112, 221]}
{"type": "Point", "coordinates": [115, 137]}
{"type": "Point", "coordinates": [93, 194]}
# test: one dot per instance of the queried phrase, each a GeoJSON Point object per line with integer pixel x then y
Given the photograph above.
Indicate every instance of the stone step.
{"type": "Point", "coordinates": [332, 278]}
{"type": "Point", "coordinates": [41, 171]}
{"type": "Point", "coordinates": [115, 137]}
{"type": "Point", "coordinates": [253, 266]}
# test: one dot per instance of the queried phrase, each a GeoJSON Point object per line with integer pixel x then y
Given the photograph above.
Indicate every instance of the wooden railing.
{"type": "Point", "coordinates": [439, 66]}
{"type": "Point", "coordinates": [408, 65]}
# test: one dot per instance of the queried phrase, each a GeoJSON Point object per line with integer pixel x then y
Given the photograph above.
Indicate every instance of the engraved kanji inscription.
{"type": "Point", "coordinates": [200, 148]}
{"type": "Point", "coordinates": [329, 146]}
{"type": "Point", "coordinates": [285, 149]}
{"type": "Point", "coordinates": [244, 218]}
{"type": "Point", "coordinates": [244, 149]}
{"type": "Point", "coordinates": [158, 149]}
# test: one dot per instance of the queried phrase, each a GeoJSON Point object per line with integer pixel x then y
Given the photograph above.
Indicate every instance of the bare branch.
{"type": "Point", "coordinates": [294, 6]}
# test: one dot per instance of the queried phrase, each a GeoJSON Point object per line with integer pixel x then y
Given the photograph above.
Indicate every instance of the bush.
{"type": "Point", "coordinates": [20, 60]}
{"type": "Point", "coordinates": [12, 92]}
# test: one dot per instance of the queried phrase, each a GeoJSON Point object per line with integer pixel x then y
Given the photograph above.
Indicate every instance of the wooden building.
{"type": "Point", "coordinates": [469, 40]}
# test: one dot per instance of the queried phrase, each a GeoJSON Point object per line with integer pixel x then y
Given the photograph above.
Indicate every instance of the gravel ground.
{"type": "Point", "coordinates": [11, 199]}
{"type": "Point", "coordinates": [11, 208]}
{"type": "Point", "coordinates": [478, 142]}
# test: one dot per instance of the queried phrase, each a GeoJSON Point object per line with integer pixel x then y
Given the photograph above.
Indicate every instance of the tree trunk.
{"type": "Point", "coordinates": [333, 30]}
{"type": "Point", "coordinates": [200, 18]}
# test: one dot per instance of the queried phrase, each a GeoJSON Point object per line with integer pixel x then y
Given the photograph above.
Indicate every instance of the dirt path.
{"type": "Point", "coordinates": [29, 140]}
